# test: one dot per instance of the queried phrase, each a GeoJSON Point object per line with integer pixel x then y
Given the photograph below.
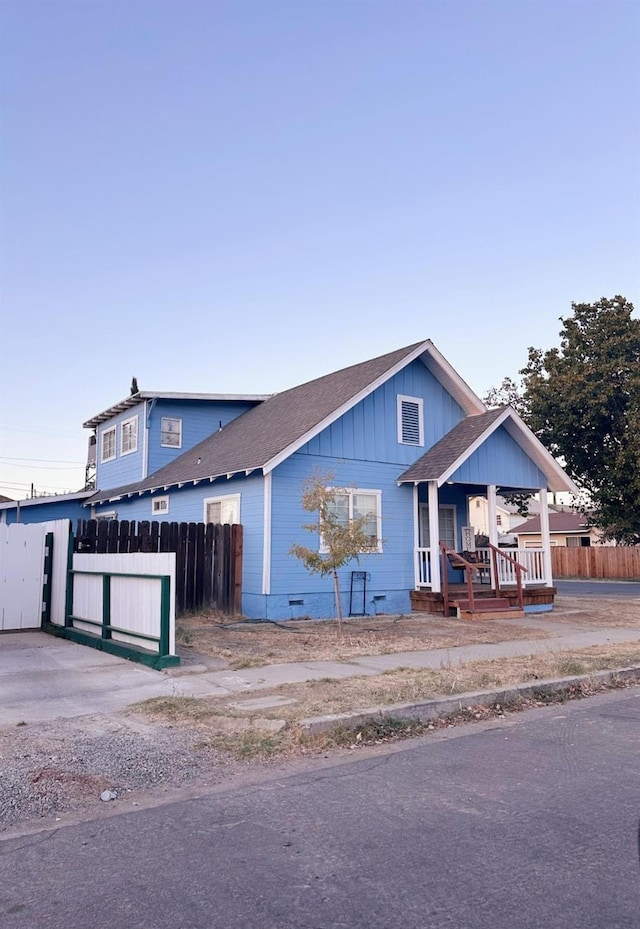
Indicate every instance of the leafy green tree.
{"type": "Point", "coordinates": [508, 392]}
{"type": "Point", "coordinates": [342, 540]}
{"type": "Point", "coordinates": [583, 402]}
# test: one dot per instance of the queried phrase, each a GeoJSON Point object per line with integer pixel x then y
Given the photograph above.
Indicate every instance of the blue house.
{"type": "Point", "coordinates": [407, 443]}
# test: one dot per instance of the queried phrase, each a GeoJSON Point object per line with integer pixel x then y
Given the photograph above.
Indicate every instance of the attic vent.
{"type": "Point", "coordinates": [410, 421]}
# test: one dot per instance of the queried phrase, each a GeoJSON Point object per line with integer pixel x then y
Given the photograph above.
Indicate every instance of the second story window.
{"type": "Point", "coordinates": [410, 420]}
{"type": "Point", "coordinates": [129, 436]}
{"type": "Point", "coordinates": [108, 447]}
{"type": "Point", "coordinates": [170, 432]}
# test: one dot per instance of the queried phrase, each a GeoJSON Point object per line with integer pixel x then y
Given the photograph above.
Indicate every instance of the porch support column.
{"type": "Point", "coordinates": [546, 538]}
{"type": "Point", "coordinates": [492, 512]}
{"type": "Point", "coordinates": [416, 538]}
{"type": "Point", "coordinates": [434, 536]}
{"type": "Point", "coordinates": [492, 518]}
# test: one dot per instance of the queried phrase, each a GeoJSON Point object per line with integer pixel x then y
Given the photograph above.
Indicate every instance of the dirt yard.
{"type": "Point", "coordinates": [245, 644]}
{"type": "Point", "coordinates": [592, 611]}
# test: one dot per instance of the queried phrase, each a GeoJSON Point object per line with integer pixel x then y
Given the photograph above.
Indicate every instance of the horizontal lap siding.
{"type": "Point", "coordinates": [186, 504]}
{"type": "Point", "coordinates": [123, 469]}
{"type": "Point", "coordinates": [39, 513]}
{"type": "Point", "coordinates": [200, 418]}
{"type": "Point", "coordinates": [369, 432]}
{"type": "Point", "coordinates": [500, 460]}
{"type": "Point", "coordinates": [392, 570]}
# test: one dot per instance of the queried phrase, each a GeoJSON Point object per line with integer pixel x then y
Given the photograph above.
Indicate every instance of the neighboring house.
{"type": "Point", "coordinates": [569, 528]}
{"type": "Point", "coordinates": [406, 440]}
{"type": "Point", "coordinates": [42, 509]}
{"type": "Point", "coordinates": [479, 515]}
{"type": "Point", "coordinates": [507, 515]}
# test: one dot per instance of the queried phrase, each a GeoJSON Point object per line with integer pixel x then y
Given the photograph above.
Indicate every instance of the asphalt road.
{"type": "Point", "coordinates": [624, 589]}
{"type": "Point", "coordinates": [527, 822]}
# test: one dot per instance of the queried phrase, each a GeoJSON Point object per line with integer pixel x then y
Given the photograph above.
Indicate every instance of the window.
{"type": "Point", "coordinates": [410, 420]}
{"type": "Point", "coordinates": [578, 541]}
{"type": "Point", "coordinates": [349, 504]}
{"type": "Point", "coordinates": [108, 444]}
{"type": "Point", "coordinates": [105, 517]}
{"type": "Point", "coordinates": [129, 436]}
{"type": "Point", "coordinates": [446, 526]}
{"type": "Point", "coordinates": [159, 505]}
{"type": "Point", "coordinates": [170, 432]}
{"type": "Point", "coordinates": [222, 509]}
{"type": "Point", "coordinates": [499, 519]}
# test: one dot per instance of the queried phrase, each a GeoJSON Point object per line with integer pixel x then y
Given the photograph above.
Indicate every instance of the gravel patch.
{"type": "Point", "coordinates": [64, 766]}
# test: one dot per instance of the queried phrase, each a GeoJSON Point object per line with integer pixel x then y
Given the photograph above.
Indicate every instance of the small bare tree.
{"type": "Point", "coordinates": [341, 541]}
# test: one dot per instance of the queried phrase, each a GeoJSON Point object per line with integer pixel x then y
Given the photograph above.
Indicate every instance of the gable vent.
{"type": "Point", "coordinates": [410, 430]}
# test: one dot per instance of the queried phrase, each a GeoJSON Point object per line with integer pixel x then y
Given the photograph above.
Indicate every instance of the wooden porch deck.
{"type": "Point", "coordinates": [426, 601]}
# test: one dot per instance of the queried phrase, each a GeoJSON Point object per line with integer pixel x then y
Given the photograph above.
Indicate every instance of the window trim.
{"type": "Point", "coordinates": [163, 499]}
{"type": "Point", "coordinates": [127, 422]}
{"type": "Point", "coordinates": [104, 433]}
{"type": "Point", "coordinates": [350, 491]}
{"type": "Point", "coordinates": [175, 419]}
{"type": "Point", "coordinates": [219, 499]}
{"type": "Point", "coordinates": [404, 398]}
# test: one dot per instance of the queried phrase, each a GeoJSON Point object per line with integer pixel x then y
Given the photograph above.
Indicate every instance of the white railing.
{"type": "Point", "coordinates": [530, 558]}
{"type": "Point", "coordinates": [423, 557]}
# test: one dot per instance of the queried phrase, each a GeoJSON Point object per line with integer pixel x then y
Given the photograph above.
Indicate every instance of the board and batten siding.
{"type": "Point", "coordinates": [500, 460]}
{"type": "Point", "coordinates": [391, 573]}
{"type": "Point", "coordinates": [369, 431]}
{"type": "Point", "coordinates": [200, 418]}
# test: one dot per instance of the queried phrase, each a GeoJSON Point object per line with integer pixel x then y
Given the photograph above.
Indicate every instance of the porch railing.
{"type": "Point", "coordinates": [531, 559]}
{"type": "Point", "coordinates": [423, 558]}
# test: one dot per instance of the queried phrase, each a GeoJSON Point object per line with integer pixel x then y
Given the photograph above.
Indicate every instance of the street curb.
{"type": "Point", "coordinates": [447, 706]}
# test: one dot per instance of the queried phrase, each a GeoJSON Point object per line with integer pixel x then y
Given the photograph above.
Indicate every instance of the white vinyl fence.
{"type": "Point", "coordinates": [22, 573]}
{"type": "Point", "coordinates": [121, 603]}
{"type": "Point", "coordinates": [126, 598]}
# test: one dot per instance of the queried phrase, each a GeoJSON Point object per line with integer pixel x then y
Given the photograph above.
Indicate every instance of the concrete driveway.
{"type": "Point", "coordinates": [43, 678]}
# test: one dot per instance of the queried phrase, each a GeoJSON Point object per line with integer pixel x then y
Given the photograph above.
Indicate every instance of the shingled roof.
{"type": "Point", "coordinates": [268, 433]}
{"type": "Point", "coordinates": [447, 455]}
{"type": "Point", "coordinates": [444, 454]}
{"type": "Point", "coordinates": [558, 522]}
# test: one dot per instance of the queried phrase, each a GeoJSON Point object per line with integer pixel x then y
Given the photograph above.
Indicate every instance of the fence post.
{"type": "Point", "coordinates": [106, 606]}
{"type": "Point", "coordinates": [46, 586]}
{"type": "Point", "coordinates": [165, 594]}
{"type": "Point", "coordinates": [68, 606]}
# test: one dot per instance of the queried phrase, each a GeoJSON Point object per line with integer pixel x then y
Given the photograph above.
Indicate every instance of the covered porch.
{"type": "Point", "coordinates": [483, 455]}
{"type": "Point", "coordinates": [441, 518]}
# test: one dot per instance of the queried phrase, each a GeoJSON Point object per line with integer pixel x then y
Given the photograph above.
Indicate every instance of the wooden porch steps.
{"type": "Point", "coordinates": [485, 608]}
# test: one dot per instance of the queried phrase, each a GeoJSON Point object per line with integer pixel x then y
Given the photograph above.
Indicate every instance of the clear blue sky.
{"type": "Point", "coordinates": [240, 195]}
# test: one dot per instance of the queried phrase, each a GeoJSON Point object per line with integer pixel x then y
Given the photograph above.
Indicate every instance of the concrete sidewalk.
{"type": "Point", "coordinates": [44, 678]}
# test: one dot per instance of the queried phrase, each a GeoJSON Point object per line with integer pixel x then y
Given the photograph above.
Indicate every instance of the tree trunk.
{"type": "Point", "coordinates": [336, 593]}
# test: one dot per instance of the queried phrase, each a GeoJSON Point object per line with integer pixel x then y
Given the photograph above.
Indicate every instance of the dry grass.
{"type": "Point", "coordinates": [242, 731]}
{"type": "Point", "coordinates": [247, 644]}
{"type": "Point", "coordinates": [596, 612]}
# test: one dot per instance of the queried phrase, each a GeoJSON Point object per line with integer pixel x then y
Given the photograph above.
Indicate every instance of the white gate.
{"type": "Point", "coordinates": [22, 574]}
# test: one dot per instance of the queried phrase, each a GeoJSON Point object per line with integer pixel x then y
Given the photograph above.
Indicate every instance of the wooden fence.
{"type": "Point", "coordinates": [208, 557]}
{"type": "Point", "coordinates": [599, 561]}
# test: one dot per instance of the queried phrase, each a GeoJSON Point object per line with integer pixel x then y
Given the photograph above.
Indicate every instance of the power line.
{"type": "Point", "coordinates": [54, 460]}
